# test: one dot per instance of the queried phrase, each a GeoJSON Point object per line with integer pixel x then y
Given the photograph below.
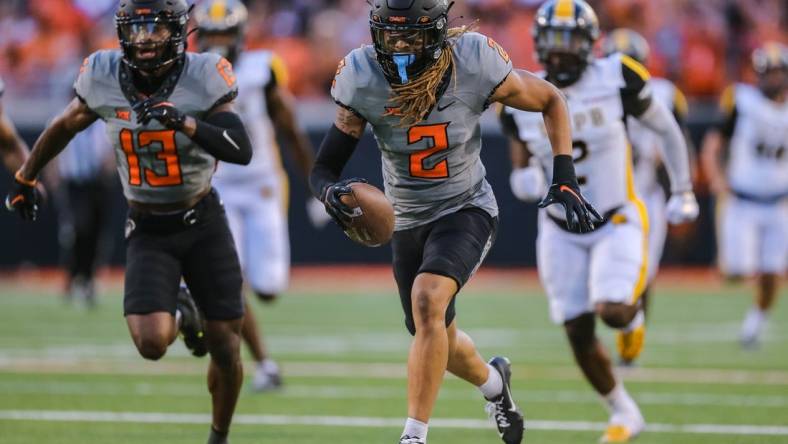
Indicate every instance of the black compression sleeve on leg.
{"type": "Point", "coordinates": [224, 136]}
{"type": "Point", "coordinates": [334, 153]}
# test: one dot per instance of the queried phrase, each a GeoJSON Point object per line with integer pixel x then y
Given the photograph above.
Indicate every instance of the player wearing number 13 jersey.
{"type": "Point", "coordinates": [423, 88]}
{"type": "Point", "coordinates": [602, 272]}
{"type": "Point", "coordinates": [169, 115]}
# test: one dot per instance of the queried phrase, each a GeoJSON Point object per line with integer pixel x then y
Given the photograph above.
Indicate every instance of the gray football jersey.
{"type": "Point", "coordinates": [156, 164]}
{"type": "Point", "coordinates": [433, 168]}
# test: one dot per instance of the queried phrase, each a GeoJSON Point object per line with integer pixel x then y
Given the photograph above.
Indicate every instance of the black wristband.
{"type": "Point", "coordinates": [564, 170]}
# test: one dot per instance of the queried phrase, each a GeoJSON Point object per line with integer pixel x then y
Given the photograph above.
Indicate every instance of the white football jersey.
{"type": "Point", "coordinates": [646, 144]}
{"type": "Point", "coordinates": [601, 146]}
{"type": "Point", "coordinates": [254, 71]}
{"type": "Point", "coordinates": [758, 132]}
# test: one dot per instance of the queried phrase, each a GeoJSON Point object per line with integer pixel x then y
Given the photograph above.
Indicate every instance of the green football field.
{"type": "Point", "coordinates": [68, 375]}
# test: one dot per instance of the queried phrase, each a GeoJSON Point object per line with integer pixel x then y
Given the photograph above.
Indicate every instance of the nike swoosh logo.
{"type": "Point", "coordinates": [232, 142]}
{"type": "Point", "coordinates": [441, 108]}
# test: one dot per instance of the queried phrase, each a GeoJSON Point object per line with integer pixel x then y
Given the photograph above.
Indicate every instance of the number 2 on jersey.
{"type": "Point", "coordinates": [440, 141]}
{"type": "Point", "coordinates": [168, 154]}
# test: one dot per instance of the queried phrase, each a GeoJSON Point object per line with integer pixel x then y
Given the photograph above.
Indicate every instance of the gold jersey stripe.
{"type": "Point", "coordinates": [632, 197]}
{"type": "Point", "coordinates": [728, 100]}
{"type": "Point", "coordinates": [680, 104]}
{"type": "Point", "coordinates": [280, 71]}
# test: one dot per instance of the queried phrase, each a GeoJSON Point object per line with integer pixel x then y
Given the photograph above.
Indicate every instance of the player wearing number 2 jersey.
{"type": "Point", "coordinates": [423, 88]}
{"type": "Point", "coordinates": [602, 272]}
{"type": "Point", "coordinates": [169, 115]}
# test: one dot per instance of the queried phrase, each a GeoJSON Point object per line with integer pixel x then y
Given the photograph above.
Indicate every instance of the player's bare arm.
{"type": "Point", "coordinates": [281, 108]}
{"type": "Point", "coordinates": [12, 148]}
{"type": "Point", "coordinates": [350, 123]}
{"type": "Point", "coordinates": [522, 90]}
{"type": "Point", "coordinates": [710, 158]}
{"type": "Point", "coordinates": [23, 196]}
{"type": "Point", "coordinates": [525, 91]}
{"type": "Point", "coordinates": [75, 118]}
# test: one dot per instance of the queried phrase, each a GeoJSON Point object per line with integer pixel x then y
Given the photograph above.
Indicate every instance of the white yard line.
{"type": "Point", "coordinates": [377, 370]}
{"type": "Point", "coordinates": [373, 422]}
{"type": "Point", "coordinates": [391, 392]}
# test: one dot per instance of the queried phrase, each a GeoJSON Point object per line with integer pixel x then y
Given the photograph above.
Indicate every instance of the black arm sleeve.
{"type": "Point", "coordinates": [223, 135]}
{"type": "Point", "coordinates": [333, 155]}
{"type": "Point", "coordinates": [728, 124]}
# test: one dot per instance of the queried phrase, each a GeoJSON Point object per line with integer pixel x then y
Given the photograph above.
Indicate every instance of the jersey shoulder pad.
{"type": "Point", "coordinates": [668, 93]}
{"type": "Point", "coordinates": [746, 97]}
{"type": "Point", "coordinates": [98, 71]}
{"type": "Point", "coordinates": [216, 75]}
{"type": "Point", "coordinates": [482, 64]}
{"type": "Point", "coordinates": [635, 75]}
{"type": "Point", "coordinates": [354, 73]}
{"type": "Point", "coordinates": [253, 68]}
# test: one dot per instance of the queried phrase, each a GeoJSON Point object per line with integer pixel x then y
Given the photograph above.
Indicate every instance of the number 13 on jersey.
{"type": "Point", "coordinates": [168, 155]}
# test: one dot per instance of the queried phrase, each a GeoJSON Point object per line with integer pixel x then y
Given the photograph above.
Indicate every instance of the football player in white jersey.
{"type": "Point", "coordinates": [646, 149]}
{"type": "Point", "coordinates": [256, 196]}
{"type": "Point", "coordinates": [13, 150]}
{"type": "Point", "coordinates": [603, 272]}
{"type": "Point", "coordinates": [752, 184]}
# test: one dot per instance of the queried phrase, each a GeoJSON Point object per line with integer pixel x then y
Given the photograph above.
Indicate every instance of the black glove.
{"type": "Point", "coordinates": [580, 215]}
{"type": "Point", "coordinates": [23, 198]}
{"type": "Point", "coordinates": [341, 213]}
{"type": "Point", "coordinates": [161, 110]}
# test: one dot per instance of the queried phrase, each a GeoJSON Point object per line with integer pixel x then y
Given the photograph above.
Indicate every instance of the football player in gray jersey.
{"type": "Point", "coordinates": [170, 117]}
{"type": "Point", "coordinates": [13, 150]}
{"type": "Point", "coordinates": [423, 88]}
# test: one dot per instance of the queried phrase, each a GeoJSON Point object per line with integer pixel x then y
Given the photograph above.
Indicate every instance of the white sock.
{"type": "Point", "coordinates": [178, 318]}
{"type": "Point", "coordinates": [415, 429]}
{"type": "Point", "coordinates": [268, 366]}
{"type": "Point", "coordinates": [636, 322]}
{"type": "Point", "coordinates": [494, 384]}
{"type": "Point", "coordinates": [753, 322]}
{"type": "Point", "coordinates": [618, 400]}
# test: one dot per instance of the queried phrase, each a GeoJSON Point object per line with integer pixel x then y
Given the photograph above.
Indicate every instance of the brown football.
{"type": "Point", "coordinates": [374, 224]}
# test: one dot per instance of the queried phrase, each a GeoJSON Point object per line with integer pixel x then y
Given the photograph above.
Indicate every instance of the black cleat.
{"type": "Point", "coordinates": [192, 326]}
{"type": "Point", "coordinates": [502, 409]}
{"type": "Point", "coordinates": [411, 440]}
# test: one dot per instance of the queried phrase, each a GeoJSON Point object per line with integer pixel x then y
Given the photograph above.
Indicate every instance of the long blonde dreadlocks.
{"type": "Point", "coordinates": [416, 98]}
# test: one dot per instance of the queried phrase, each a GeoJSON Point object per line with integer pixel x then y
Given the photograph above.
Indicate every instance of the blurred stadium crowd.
{"type": "Point", "coordinates": [701, 45]}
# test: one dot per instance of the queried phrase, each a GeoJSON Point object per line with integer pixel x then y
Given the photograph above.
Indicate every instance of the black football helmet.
{"type": "Point", "coordinates": [564, 33]}
{"type": "Point", "coordinates": [627, 41]}
{"type": "Point", "coordinates": [152, 33]}
{"type": "Point", "coordinates": [217, 18]}
{"type": "Point", "coordinates": [409, 35]}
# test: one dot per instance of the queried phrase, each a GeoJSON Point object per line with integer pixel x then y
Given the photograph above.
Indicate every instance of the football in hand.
{"type": "Point", "coordinates": [373, 224]}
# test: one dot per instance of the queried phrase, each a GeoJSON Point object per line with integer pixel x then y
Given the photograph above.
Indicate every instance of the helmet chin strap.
{"type": "Point", "coordinates": [403, 61]}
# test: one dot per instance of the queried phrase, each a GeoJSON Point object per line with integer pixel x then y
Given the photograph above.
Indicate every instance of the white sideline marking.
{"type": "Point", "coordinates": [362, 421]}
{"type": "Point", "coordinates": [300, 391]}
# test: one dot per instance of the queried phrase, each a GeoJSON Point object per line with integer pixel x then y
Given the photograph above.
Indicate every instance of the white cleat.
{"type": "Point", "coordinates": [266, 378]}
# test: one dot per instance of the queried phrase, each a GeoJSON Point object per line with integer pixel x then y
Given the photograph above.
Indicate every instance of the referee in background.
{"type": "Point", "coordinates": [84, 179]}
